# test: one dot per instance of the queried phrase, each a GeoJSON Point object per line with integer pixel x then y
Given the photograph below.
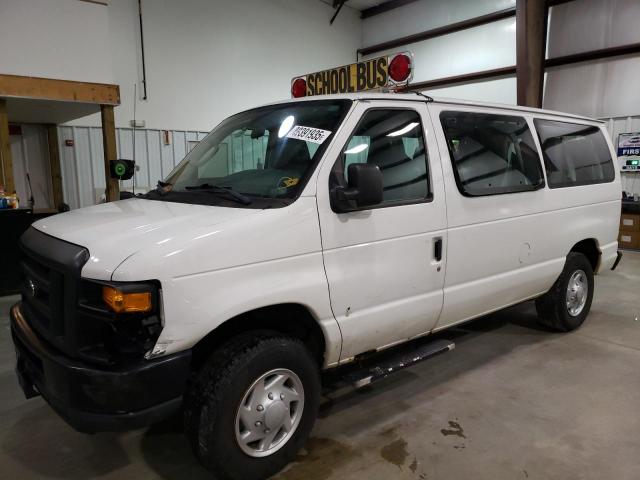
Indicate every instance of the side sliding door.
{"type": "Point", "coordinates": [497, 205]}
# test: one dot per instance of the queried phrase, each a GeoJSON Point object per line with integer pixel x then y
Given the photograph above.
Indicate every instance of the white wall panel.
{"type": "Point", "coordinates": [64, 39]}
{"type": "Point", "coordinates": [586, 25]}
{"type": "Point", "coordinates": [68, 172]}
{"type": "Point", "coordinates": [605, 88]}
{"type": "Point", "coordinates": [154, 165]}
{"type": "Point", "coordinates": [208, 59]}
{"type": "Point", "coordinates": [502, 90]}
{"type": "Point", "coordinates": [480, 48]}
{"type": "Point", "coordinates": [179, 146]}
{"type": "Point", "coordinates": [425, 15]}
{"type": "Point", "coordinates": [599, 89]}
{"type": "Point", "coordinates": [97, 158]}
{"type": "Point", "coordinates": [83, 165]}
{"type": "Point", "coordinates": [142, 177]}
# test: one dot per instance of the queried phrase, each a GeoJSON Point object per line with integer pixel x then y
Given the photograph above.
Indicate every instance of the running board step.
{"type": "Point", "coordinates": [365, 376]}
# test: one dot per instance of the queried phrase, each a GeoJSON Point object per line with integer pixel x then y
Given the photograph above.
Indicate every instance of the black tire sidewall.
{"type": "Point", "coordinates": [217, 446]}
{"type": "Point", "coordinates": [575, 261]}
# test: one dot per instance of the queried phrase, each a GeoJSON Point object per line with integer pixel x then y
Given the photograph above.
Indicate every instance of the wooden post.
{"type": "Point", "coordinates": [6, 161]}
{"type": "Point", "coordinates": [531, 36]}
{"type": "Point", "coordinates": [112, 191]}
{"type": "Point", "coordinates": [54, 164]}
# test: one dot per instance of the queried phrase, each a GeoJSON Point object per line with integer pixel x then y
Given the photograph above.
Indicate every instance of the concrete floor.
{"type": "Point", "coordinates": [512, 401]}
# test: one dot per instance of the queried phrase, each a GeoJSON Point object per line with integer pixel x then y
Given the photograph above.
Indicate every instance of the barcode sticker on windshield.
{"type": "Point", "coordinates": [308, 134]}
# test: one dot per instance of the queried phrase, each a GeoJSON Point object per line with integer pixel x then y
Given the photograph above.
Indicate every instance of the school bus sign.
{"type": "Point", "coordinates": [381, 72]}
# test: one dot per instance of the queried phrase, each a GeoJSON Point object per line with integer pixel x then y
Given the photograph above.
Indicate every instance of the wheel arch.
{"type": "Point", "coordinates": [589, 247]}
{"type": "Point", "coordinates": [292, 319]}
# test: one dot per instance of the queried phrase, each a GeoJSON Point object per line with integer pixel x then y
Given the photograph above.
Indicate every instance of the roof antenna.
{"type": "Point", "coordinates": [426, 97]}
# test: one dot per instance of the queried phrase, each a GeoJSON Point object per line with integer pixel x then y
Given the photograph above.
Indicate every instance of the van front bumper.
{"type": "Point", "coordinates": [93, 399]}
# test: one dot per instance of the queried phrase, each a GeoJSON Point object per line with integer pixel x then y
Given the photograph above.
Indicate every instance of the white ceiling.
{"type": "Point", "coordinates": [27, 110]}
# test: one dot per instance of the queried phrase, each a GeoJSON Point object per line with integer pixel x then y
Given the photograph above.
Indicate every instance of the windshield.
{"type": "Point", "coordinates": [256, 157]}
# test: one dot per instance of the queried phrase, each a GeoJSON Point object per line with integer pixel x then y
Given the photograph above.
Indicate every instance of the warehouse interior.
{"type": "Point", "coordinates": [84, 83]}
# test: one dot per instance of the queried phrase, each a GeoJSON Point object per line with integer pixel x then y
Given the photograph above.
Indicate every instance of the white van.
{"type": "Point", "coordinates": [301, 236]}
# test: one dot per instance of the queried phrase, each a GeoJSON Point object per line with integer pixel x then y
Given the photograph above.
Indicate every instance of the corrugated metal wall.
{"type": "Point", "coordinates": [83, 168]}
{"type": "Point", "coordinates": [616, 126]}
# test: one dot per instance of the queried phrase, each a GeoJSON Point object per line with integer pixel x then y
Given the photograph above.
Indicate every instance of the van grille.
{"type": "Point", "coordinates": [51, 269]}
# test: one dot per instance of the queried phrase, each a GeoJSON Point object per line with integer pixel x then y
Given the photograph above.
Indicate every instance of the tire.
{"type": "Point", "coordinates": [212, 406]}
{"type": "Point", "coordinates": [560, 309]}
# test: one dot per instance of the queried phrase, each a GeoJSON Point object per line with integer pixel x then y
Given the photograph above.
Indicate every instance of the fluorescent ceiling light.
{"type": "Point", "coordinates": [285, 126]}
{"type": "Point", "coordinates": [403, 130]}
{"type": "Point", "coordinates": [358, 148]}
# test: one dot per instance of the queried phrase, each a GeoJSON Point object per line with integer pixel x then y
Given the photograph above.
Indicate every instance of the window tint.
{"type": "Point", "coordinates": [392, 140]}
{"type": "Point", "coordinates": [491, 154]}
{"type": "Point", "coordinates": [574, 154]}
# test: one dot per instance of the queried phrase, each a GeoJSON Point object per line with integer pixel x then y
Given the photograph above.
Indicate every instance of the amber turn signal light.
{"type": "Point", "coordinates": [121, 302]}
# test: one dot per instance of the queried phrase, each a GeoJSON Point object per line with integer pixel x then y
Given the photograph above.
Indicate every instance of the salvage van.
{"type": "Point", "coordinates": [302, 237]}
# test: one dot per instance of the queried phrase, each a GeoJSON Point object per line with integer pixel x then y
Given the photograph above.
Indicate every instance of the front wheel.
{"type": "Point", "coordinates": [566, 306]}
{"type": "Point", "coordinates": [251, 408]}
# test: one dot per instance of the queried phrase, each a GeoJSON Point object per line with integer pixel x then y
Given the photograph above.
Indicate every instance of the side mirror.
{"type": "Point", "coordinates": [364, 188]}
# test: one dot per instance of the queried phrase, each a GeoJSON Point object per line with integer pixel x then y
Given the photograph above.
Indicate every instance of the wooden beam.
{"type": "Point", "coordinates": [531, 34]}
{"type": "Point", "coordinates": [464, 78]}
{"type": "Point", "coordinates": [61, 90]}
{"type": "Point", "coordinates": [385, 7]}
{"type": "Point", "coordinates": [6, 161]}
{"type": "Point", "coordinates": [601, 54]}
{"type": "Point", "coordinates": [112, 191]}
{"type": "Point", "coordinates": [54, 164]}
{"type": "Point", "coordinates": [437, 32]}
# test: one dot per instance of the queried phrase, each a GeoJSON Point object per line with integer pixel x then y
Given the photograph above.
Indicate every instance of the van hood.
{"type": "Point", "coordinates": [112, 232]}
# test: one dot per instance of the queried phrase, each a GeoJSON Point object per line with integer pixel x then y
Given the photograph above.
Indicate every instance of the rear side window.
{"type": "Point", "coordinates": [574, 154]}
{"type": "Point", "coordinates": [491, 154]}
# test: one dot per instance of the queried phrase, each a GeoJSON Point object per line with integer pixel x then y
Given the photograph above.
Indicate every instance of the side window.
{"type": "Point", "coordinates": [392, 140]}
{"type": "Point", "coordinates": [491, 154]}
{"type": "Point", "coordinates": [574, 154]}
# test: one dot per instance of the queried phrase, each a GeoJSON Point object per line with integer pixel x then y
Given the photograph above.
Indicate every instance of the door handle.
{"type": "Point", "coordinates": [437, 249]}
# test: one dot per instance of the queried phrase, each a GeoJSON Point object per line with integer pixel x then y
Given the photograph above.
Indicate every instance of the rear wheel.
{"type": "Point", "coordinates": [251, 408]}
{"type": "Point", "coordinates": [566, 306]}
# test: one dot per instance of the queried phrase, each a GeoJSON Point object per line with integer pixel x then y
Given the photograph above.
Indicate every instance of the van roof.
{"type": "Point", "coordinates": [414, 97]}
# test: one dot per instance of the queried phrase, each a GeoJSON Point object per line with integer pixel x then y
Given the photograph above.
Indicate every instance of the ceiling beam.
{"type": "Point", "coordinates": [337, 5]}
{"type": "Point", "coordinates": [494, 73]}
{"type": "Point", "coordinates": [439, 31]}
{"type": "Point", "coordinates": [385, 7]}
{"type": "Point", "coordinates": [553, 3]}
{"type": "Point", "coordinates": [16, 86]}
{"type": "Point", "coordinates": [601, 54]}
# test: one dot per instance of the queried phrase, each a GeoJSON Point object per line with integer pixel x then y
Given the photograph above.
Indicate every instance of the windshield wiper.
{"type": "Point", "coordinates": [207, 187]}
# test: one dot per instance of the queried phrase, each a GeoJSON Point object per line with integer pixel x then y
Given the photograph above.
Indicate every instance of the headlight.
{"type": "Point", "coordinates": [127, 302]}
